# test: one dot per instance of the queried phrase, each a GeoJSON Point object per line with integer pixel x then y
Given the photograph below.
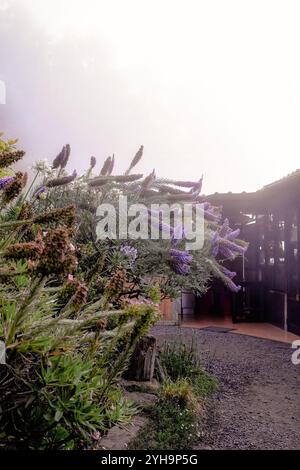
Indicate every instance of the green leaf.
{"type": "Point", "coordinates": [58, 415]}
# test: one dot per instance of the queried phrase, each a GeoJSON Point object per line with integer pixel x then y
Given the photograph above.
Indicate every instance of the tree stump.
{"type": "Point", "coordinates": [142, 362]}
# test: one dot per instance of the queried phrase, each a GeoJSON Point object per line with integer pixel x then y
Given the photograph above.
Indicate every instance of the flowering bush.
{"type": "Point", "coordinates": [74, 307]}
{"type": "Point", "coordinates": [164, 262]}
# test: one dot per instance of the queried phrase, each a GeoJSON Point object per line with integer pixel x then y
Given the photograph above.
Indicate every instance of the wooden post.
{"type": "Point", "coordinates": [142, 362]}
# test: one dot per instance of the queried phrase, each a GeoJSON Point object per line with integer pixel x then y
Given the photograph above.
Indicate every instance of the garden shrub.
{"type": "Point", "coordinates": [180, 393]}
{"type": "Point", "coordinates": [181, 362]}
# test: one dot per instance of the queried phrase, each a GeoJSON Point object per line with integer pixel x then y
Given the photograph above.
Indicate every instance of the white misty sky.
{"type": "Point", "coordinates": [208, 87]}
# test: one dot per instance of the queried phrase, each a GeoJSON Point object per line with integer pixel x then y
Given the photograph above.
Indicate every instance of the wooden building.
{"type": "Point", "coordinates": [270, 271]}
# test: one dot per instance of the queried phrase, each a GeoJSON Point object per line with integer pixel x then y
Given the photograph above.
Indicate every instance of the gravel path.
{"type": "Point", "coordinates": [257, 405]}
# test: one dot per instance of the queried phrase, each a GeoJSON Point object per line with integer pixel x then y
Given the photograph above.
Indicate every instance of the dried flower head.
{"type": "Point", "coordinates": [101, 324]}
{"type": "Point", "coordinates": [136, 159]}
{"type": "Point", "coordinates": [9, 157]}
{"type": "Point", "coordinates": [116, 283]}
{"type": "Point", "coordinates": [66, 156]}
{"type": "Point", "coordinates": [25, 212]}
{"type": "Point", "coordinates": [64, 214]}
{"type": "Point", "coordinates": [112, 164]}
{"type": "Point", "coordinates": [13, 188]}
{"type": "Point", "coordinates": [102, 180]}
{"type": "Point", "coordinates": [30, 250]}
{"type": "Point", "coordinates": [148, 181]}
{"type": "Point", "coordinates": [67, 290]}
{"type": "Point", "coordinates": [106, 166]}
{"type": "Point", "coordinates": [80, 296]}
{"type": "Point", "coordinates": [25, 179]}
{"type": "Point", "coordinates": [56, 257]}
{"type": "Point", "coordinates": [59, 158]}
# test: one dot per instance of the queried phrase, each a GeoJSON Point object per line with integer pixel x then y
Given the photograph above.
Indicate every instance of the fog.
{"type": "Point", "coordinates": [208, 87]}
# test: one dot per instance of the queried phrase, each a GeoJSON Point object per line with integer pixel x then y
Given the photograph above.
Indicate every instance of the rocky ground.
{"type": "Point", "coordinates": [257, 405]}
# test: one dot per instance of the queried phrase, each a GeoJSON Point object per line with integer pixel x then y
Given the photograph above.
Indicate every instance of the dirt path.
{"type": "Point", "coordinates": [257, 405]}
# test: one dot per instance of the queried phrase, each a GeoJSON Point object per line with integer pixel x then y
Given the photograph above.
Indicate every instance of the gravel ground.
{"type": "Point", "coordinates": [257, 405]}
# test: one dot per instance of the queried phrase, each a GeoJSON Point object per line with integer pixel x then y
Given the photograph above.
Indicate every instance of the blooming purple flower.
{"type": "Point", "coordinates": [181, 261]}
{"type": "Point", "coordinates": [182, 269]}
{"type": "Point", "coordinates": [226, 252]}
{"type": "Point", "coordinates": [228, 279]}
{"type": "Point", "coordinates": [182, 256]}
{"type": "Point", "coordinates": [40, 191]}
{"type": "Point", "coordinates": [223, 242]}
{"type": "Point", "coordinates": [130, 252]}
{"type": "Point", "coordinates": [234, 288]}
{"type": "Point", "coordinates": [4, 181]}
{"type": "Point", "coordinates": [225, 228]}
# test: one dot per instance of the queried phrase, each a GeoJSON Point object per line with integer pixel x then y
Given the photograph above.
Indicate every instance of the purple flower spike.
{"type": "Point", "coordinates": [215, 251]}
{"type": "Point", "coordinates": [227, 272]}
{"type": "Point", "coordinates": [235, 288]}
{"type": "Point", "coordinates": [214, 238]}
{"type": "Point", "coordinates": [226, 252]}
{"type": "Point", "coordinates": [215, 244]}
{"type": "Point", "coordinates": [224, 229]}
{"type": "Point", "coordinates": [234, 234]}
{"type": "Point", "coordinates": [223, 242]}
{"type": "Point", "coordinates": [181, 261]}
